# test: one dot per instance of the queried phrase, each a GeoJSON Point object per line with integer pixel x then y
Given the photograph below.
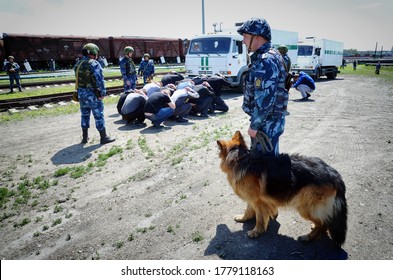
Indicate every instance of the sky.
{"type": "Point", "coordinates": [360, 24]}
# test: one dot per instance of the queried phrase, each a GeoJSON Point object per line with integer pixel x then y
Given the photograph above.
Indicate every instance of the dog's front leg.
{"type": "Point", "coordinates": [262, 220]}
{"type": "Point", "coordinates": [248, 215]}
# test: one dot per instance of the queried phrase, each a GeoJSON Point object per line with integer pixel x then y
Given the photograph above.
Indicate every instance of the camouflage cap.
{"type": "Point", "coordinates": [283, 49]}
{"type": "Point", "coordinates": [91, 48]}
{"type": "Point", "coordinates": [256, 26]}
{"type": "Point", "coordinates": [11, 57]}
{"type": "Point", "coordinates": [146, 55]}
{"type": "Point", "coordinates": [128, 49]}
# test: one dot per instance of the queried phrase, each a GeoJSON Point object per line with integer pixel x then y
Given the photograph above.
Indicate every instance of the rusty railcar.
{"type": "Point", "coordinates": [64, 50]}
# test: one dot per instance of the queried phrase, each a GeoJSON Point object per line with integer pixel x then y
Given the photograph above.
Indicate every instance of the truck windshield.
{"type": "Point", "coordinates": [210, 45]}
{"type": "Point", "coordinates": [304, 50]}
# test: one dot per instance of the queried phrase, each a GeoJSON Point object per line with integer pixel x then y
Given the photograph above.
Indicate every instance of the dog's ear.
{"type": "Point", "coordinates": [221, 145]}
{"type": "Point", "coordinates": [238, 136]}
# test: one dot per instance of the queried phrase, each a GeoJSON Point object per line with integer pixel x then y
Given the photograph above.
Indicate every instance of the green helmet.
{"type": "Point", "coordinates": [90, 48]}
{"type": "Point", "coordinates": [128, 49]}
{"type": "Point", "coordinates": [146, 55]}
{"type": "Point", "coordinates": [283, 49]}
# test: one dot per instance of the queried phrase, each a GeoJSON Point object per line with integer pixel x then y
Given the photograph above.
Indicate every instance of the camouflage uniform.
{"type": "Point", "coordinates": [146, 68]}
{"type": "Point", "coordinates": [90, 85]}
{"type": "Point", "coordinates": [128, 71]}
{"type": "Point", "coordinates": [265, 94]}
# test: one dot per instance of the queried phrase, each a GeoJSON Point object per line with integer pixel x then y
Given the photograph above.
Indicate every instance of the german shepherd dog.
{"type": "Point", "coordinates": [308, 184]}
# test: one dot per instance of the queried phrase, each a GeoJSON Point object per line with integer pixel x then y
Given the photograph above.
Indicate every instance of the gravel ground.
{"type": "Point", "coordinates": [160, 194]}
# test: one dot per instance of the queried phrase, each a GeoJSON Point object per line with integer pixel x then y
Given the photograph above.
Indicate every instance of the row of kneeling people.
{"type": "Point", "coordinates": [173, 98]}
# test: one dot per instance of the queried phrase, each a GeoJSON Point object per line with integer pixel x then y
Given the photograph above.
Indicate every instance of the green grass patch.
{"type": "Point", "coordinates": [386, 72]}
{"type": "Point", "coordinates": [76, 172]}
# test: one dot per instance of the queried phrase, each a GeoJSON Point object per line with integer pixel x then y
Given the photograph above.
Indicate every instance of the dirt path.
{"type": "Point", "coordinates": [161, 195]}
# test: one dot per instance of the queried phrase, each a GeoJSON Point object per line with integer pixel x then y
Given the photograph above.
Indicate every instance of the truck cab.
{"type": "Point", "coordinates": [226, 54]}
{"type": "Point", "coordinates": [217, 53]}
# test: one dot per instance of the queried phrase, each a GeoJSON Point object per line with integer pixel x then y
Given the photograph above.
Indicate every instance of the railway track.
{"type": "Point", "coordinates": [22, 103]}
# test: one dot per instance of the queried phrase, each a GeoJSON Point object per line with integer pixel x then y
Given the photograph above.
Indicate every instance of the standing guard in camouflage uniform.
{"type": "Point", "coordinates": [128, 69]}
{"type": "Point", "coordinates": [288, 64]}
{"type": "Point", "coordinates": [12, 68]}
{"type": "Point", "coordinates": [91, 91]}
{"type": "Point", "coordinates": [265, 94]}
{"type": "Point", "coordinates": [146, 69]}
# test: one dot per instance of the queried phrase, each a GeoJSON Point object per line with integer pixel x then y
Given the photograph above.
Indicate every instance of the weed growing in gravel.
{"type": "Point", "coordinates": [22, 223]}
{"type": "Point", "coordinates": [118, 244]}
{"type": "Point", "coordinates": [170, 230]}
{"type": "Point", "coordinates": [197, 236]}
{"type": "Point", "coordinates": [131, 237]}
{"type": "Point", "coordinates": [56, 222]}
{"type": "Point", "coordinates": [142, 143]}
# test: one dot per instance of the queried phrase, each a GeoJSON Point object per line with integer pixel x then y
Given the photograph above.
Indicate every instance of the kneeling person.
{"type": "Point", "coordinates": [133, 108]}
{"type": "Point", "coordinates": [159, 107]}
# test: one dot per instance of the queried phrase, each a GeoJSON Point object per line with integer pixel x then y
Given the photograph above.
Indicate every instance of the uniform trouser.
{"type": "Point", "coordinates": [203, 104]}
{"type": "Point", "coordinates": [219, 104]}
{"type": "Point", "coordinates": [138, 115]}
{"type": "Point", "coordinates": [89, 103]}
{"type": "Point", "coordinates": [146, 78]}
{"type": "Point", "coordinates": [273, 128]}
{"type": "Point", "coordinates": [14, 78]}
{"type": "Point", "coordinates": [132, 79]}
{"type": "Point", "coordinates": [304, 89]}
{"type": "Point", "coordinates": [182, 109]}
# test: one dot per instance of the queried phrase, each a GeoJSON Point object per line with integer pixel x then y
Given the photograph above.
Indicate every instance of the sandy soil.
{"type": "Point", "coordinates": [163, 196]}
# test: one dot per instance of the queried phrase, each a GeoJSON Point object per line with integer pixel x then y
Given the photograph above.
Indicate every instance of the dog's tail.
{"type": "Point", "coordinates": [337, 225]}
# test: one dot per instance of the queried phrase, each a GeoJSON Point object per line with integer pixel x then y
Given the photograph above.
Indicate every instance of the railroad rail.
{"type": "Point", "coordinates": [22, 103]}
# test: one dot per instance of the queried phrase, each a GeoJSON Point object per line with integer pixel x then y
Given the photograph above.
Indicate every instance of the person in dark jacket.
{"type": "Point", "coordinates": [216, 83]}
{"type": "Point", "coordinates": [171, 78]}
{"type": "Point", "coordinates": [131, 106]}
{"type": "Point", "coordinates": [159, 107]}
{"type": "Point", "coordinates": [204, 103]}
{"type": "Point", "coordinates": [305, 84]}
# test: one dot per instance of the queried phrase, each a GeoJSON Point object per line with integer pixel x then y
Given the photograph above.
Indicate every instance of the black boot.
{"type": "Point", "coordinates": [85, 137]}
{"type": "Point", "coordinates": [105, 138]}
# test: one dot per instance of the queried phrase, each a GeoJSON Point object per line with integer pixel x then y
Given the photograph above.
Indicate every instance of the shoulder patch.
{"type": "Point", "coordinates": [258, 82]}
{"type": "Point", "coordinates": [264, 55]}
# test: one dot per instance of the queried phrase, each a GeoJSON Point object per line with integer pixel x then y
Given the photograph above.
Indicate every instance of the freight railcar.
{"type": "Point", "coordinates": [39, 50]}
{"type": "Point", "coordinates": [2, 55]}
{"type": "Point", "coordinates": [170, 49]}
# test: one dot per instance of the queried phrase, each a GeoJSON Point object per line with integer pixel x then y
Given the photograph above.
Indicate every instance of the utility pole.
{"type": "Point", "coordinates": [375, 52]}
{"type": "Point", "coordinates": [203, 16]}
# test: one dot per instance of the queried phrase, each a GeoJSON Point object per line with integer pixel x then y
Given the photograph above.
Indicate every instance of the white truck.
{"type": "Point", "coordinates": [319, 57]}
{"type": "Point", "coordinates": [225, 53]}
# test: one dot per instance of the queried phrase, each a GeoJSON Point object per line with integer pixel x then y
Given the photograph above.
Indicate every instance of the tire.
{"type": "Point", "coordinates": [242, 81]}
{"type": "Point", "coordinates": [332, 75]}
{"type": "Point", "coordinates": [317, 75]}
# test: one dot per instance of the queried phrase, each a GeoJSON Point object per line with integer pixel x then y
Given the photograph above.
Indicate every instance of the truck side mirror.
{"type": "Point", "coordinates": [318, 51]}
{"type": "Point", "coordinates": [239, 46]}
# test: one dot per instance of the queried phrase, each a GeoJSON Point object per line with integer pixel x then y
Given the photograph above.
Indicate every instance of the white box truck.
{"type": "Point", "coordinates": [319, 57]}
{"type": "Point", "coordinates": [225, 53]}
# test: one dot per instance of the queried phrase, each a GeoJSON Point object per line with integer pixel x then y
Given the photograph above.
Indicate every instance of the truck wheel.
{"type": "Point", "coordinates": [332, 75]}
{"type": "Point", "coordinates": [317, 75]}
{"type": "Point", "coordinates": [242, 82]}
